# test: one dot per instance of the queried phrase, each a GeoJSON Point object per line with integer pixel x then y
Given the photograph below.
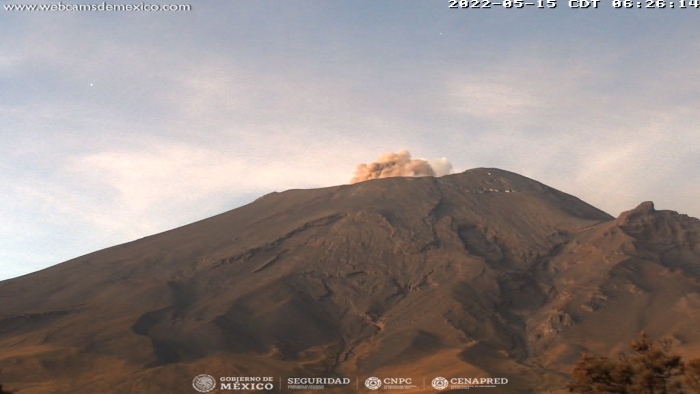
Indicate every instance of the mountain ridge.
{"type": "Point", "coordinates": [485, 272]}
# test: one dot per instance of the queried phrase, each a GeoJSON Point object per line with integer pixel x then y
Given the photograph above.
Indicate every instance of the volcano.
{"type": "Point", "coordinates": [482, 274]}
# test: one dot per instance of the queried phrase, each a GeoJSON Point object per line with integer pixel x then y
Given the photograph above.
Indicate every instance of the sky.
{"type": "Point", "coordinates": [118, 125]}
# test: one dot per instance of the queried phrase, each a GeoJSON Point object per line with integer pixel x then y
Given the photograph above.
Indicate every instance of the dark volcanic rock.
{"type": "Point", "coordinates": [483, 273]}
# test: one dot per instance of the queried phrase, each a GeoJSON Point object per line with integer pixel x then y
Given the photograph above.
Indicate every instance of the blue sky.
{"type": "Point", "coordinates": [118, 125]}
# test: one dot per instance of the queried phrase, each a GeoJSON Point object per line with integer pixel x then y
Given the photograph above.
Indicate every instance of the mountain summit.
{"type": "Point", "coordinates": [485, 273]}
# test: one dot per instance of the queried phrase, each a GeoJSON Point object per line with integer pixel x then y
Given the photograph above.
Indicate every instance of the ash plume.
{"type": "Point", "coordinates": [400, 164]}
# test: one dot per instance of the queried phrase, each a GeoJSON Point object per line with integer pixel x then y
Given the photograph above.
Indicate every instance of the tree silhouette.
{"type": "Point", "coordinates": [594, 374]}
{"type": "Point", "coordinates": [692, 375]}
{"type": "Point", "coordinates": [650, 368]}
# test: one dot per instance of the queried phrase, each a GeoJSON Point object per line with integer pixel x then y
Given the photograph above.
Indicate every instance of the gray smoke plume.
{"type": "Point", "coordinates": [400, 164]}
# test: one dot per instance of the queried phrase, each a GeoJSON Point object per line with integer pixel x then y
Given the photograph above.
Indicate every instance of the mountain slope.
{"type": "Point", "coordinates": [483, 273]}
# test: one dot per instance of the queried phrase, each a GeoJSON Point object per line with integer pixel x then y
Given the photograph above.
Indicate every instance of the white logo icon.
{"type": "Point", "coordinates": [204, 383]}
{"type": "Point", "coordinates": [373, 383]}
{"type": "Point", "coordinates": [440, 383]}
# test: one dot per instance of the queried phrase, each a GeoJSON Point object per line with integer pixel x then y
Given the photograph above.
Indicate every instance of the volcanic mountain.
{"type": "Point", "coordinates": [485, 273]}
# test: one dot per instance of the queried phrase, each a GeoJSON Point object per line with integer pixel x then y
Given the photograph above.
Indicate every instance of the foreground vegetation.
{"type": "Point", "coordinates": [649, 368]}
